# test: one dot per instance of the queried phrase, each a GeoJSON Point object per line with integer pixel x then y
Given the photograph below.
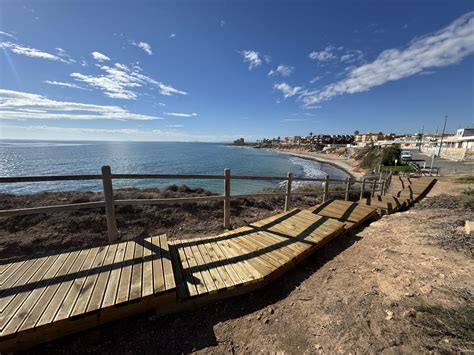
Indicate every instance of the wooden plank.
{"type": "Point", "coordinates": [87, 290]}
{"type": "Point", "coordinates": [137, 271]}
{"type": "Point", "coordinates": [166, 260]}
{"type": "Point", "coordinates": [196, 275]}
{"type": "Point", "coordinates": [43, 302]}
{"type": "Point", "coordinates": [19, 313]}
{"type": "Point", "coordinates": [181, 289]}
{"type": "Point", "coordinates": [31, 267]}
{"type": "Point", "coordinates": [218, 272]}
{"type": "Point", "coordinates": [10, 271]}
{"type": "Point", "coordinates": [102, 280]}
{"type": "Point", "coordinates": [188, 279]}
{"type": "Point", "coordinates": [69, 300]}
{"type": "Point", "coordinates": [49, 314]}
{"type": "Point", "coordinates": [216, 253]}
{"type": "Point", "coordinates": [114, 277]}
{"type": "Point", "coordinates": [158, 273]}
{"type": "Point", "coordinates": [208, 280]}
{"type": "Point", "coordinates": [123, 291]}
{"type": "Point", "coordinates": [147, 274]}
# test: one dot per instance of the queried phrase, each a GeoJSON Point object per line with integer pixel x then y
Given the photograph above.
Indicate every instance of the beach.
{"type": "Point", "coordinates": [344, 164]}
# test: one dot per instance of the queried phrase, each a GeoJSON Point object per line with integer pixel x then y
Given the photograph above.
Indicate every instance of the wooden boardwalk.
{"type": "Point", "coordinates": [63, 293]}
{"type": "Point", "coordinates": [47, 297]}
{"type": "Point", "coordinates": [249, 255]}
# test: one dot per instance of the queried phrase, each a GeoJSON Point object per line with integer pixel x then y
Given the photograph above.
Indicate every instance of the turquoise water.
{"type": "Point", "coordinates": [18, 158]}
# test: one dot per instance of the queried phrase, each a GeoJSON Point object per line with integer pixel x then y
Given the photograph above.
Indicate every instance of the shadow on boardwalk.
{"type": "Point", "coordinates": [193, 330]}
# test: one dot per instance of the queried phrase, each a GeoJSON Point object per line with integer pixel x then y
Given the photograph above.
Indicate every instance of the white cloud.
{"type": "Point", "coordinates": [145, 46]}
{"type": "Point", "coordinates": [178, 114]}
{"type": "Point", "coordinates": [444, 47]}
{"type": "Point", "coordinates": [18, 105]}
{"type": "Point", "coordinates": [324, 55]}
{"type": "Point", "coordinates": [283, 70]}
{"type": "Point", "coordinates": [222, 23]}
{"type": "Point", "coordinates": [121, 82]}
{"type": "Point", "coordinates": [175, 125]}
{"type": "Point", "coordinates": [252, 57]}
{"type": "Point", "coordinates": [7, 34]}
{"type": "Point", "coordinates": [60, 83]}
{"type": "Point", "coordinates": [100, 57]}
{"type": "Point", "coordinates": [31, 52]}
{"type": "Point", "coordinates": [172, 35]}
{"type": "Point", "coordinates": [287, 90]}
{"type": "Point", "coordinates": [352, 56]}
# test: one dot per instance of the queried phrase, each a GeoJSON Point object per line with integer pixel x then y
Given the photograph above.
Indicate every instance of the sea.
{"type": "Point", "coordinates": [23, 158]}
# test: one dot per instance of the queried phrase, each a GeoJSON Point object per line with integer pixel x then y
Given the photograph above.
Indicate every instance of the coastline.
{"type": "Point", "coordinates": [342, 164]}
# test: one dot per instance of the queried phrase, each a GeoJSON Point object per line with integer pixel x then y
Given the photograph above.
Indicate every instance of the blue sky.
{"type": "Point", "coordinates": [213, 71]}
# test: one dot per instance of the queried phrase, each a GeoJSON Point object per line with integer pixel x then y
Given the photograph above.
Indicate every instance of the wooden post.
{"type": "Point", "coordinates": [227, 198]}
{"type": "Point", "coordinates": [326, 189]}
{"type": "Point", "coordinates": [288, 192]}
{"type": "Point", "coordinates": [373, 187]}
{"type": "Point", "coordinates": [348, 188]}
{"type": "Point", "coordinates": [362, 189]}
{"type": "Point", "coordinates": [382, 188]}
{"type": "Point", "coordinates": [109, 203]}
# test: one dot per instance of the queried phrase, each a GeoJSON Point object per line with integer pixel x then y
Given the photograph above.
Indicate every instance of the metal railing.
{"type": "Point", "coordinates": [379, 183]}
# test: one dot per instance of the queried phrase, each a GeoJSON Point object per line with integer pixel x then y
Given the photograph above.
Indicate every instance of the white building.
{"type": "Point", "coordinates": [465, 138]}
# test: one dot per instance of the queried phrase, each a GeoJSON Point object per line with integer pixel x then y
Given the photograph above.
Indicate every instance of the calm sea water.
{"type": "Point", "coordinates": [19, 158]}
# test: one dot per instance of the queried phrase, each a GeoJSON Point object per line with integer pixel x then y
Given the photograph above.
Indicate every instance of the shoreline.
{"type": "Point", "coordinates": [341, 164]}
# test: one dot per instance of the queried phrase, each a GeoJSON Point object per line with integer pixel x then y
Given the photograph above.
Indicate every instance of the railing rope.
{"type": "Point", "coordinates": [227, 198]}
{"type": "Point", "coordinates": [109, 203]}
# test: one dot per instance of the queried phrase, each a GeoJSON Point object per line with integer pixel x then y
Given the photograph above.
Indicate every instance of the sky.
{"type": "Point", "coordinates": [217, 70]}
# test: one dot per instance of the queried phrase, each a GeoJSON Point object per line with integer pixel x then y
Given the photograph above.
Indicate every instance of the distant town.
{"type": "Point", "coordinates": [458, 146]}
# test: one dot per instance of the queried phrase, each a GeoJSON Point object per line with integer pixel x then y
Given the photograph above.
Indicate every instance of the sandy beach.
{"type": "Point", "coordinates": [344, 164]}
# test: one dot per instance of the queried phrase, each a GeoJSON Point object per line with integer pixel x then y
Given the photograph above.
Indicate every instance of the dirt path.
{"type": "Point", "coordinates": [393, 287]}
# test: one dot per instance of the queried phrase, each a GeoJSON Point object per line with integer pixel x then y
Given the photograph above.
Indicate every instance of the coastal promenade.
{"type": "Point", "coordinates": [54, 295]}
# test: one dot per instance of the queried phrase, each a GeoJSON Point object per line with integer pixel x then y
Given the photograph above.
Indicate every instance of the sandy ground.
{"type": "Point", "coordinates": [347, 165]}
{"type": "Point", "coordinates": [401, 285]}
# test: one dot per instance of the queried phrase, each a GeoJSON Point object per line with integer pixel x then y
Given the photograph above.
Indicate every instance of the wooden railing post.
{"type": "Point", "coordinates": [109, 203]}
{"type": "Point", "coordinates": [326, 189]}
{"type": "Point", "coordinates": [382, 188]}
{"type": "Point", "coordinates": [373, 187]}
{"type": "Point", "coordinates": [362, 189]}
{"type": "Point", "coordinates": [348, 188]}
{"type": "Point", "coordinates": [227, 198]}
{"type": "Point", "coordinates": [288, 191]}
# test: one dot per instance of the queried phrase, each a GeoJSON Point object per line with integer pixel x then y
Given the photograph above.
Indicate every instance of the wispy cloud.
{"type": "Point", "coordinates": [251, 57]}
{"type": "Point", "coordinates": [222, 23]}
{"type": "Point", "coordinates": [19, 105]}
{"type": "Point", "coordinates": [445, 47]}
{"type": "Point", "coordinates": [122, 82]}
{"type": "Point", "coordinates": [100, 57]}
{"type": "Point", "coordinates": [283, 70]}
{"type": "Point", "coordinates": [175, 126]}
{"type": "Point", "coordinates": [60, 83]}
{"type": "Point", "coordinates": [179, 114]}
{"type": "Point", "coordinates": [6, 34]}
{"type": "Point", "coordinates": [32, 52]}
{"type": "Point", "coordinates": [144, 46]}
{"type": "Point", "coordinates": [172, 35]}
{"type": "Point", "coordinates": [287, 90]}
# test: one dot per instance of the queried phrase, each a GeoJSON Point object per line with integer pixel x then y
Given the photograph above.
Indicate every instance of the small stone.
{"type": "Point", "coordinates": [389, 314]}
{"type": "Point", "coordinates": [409, 294]}
{"type": "Point", "coordinates": [333, 269]}
{"type": "Point", "coordinates": [318, 347]}
{"type": "Point", "coordinates": [410, 313]}
{"type": "Point", "coordinates": [259, 317]}
{"type": "Point", "coordinates": [266, 321]}
{"type": "Point", "coordinates": [271, 310]}
{"type": "Point", "coordinates": [469, 227]}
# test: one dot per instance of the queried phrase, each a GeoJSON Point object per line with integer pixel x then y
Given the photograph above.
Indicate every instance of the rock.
{"type": "Point", "coordinates": [266, 321]}
{"type": "Point", "coordinates": [259, 317]}
{"type": "Point", "coordinates": [409, 313]}
{"type": "Point", "coordinates": [389, 314]}
{"type": "Point", "coordinates": [469, 227]}
{"type": "Point", "coordinates": [271, 310]}
{"type": "Point", "coordinates": [409, 294]}
{"type": "Point", "coordinates": [426, 289]}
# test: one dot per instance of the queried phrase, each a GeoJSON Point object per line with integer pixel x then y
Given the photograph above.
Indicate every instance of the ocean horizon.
{"type": "Point", "coordinates": [71, 157]}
